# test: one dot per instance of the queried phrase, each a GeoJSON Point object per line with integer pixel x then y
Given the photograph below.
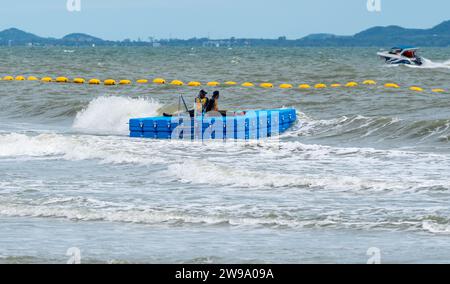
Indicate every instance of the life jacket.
{"type": "Point", "coordinates": [201, 103]}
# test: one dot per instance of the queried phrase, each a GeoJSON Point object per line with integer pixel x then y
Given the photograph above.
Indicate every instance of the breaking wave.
{"type": "Point", "coordinates": [93, 210]}
{"type": "Point", "coordinates": [111, 114]}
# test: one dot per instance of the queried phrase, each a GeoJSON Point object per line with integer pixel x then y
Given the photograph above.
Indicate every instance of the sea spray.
{"type": "Point", "coordinates": [428, 64]}
{"type": "Point", "coordinates": [110, 115]}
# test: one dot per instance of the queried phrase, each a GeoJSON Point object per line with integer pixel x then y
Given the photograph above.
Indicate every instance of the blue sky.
{"type": "Point", "coordinates": [120, 19]}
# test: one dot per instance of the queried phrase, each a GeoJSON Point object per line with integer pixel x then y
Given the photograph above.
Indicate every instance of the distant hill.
{"type": "Point", "coordinates": [442, 29]}
{"type": "Point", "coordinates": [376, 36]}
{"type": "Point", "coordinates": [81, 38]}
{"type": "Point", "coordinates": [386, 36]}
{"type": "Point", "coordinates": [18, 36]}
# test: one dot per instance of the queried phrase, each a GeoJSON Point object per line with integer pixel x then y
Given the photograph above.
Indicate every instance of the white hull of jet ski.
{"type": "Point", "coordinates": [398, 59]}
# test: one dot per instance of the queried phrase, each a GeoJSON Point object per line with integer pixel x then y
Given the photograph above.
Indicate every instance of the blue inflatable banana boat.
{"type": "Point", "coordinates": [254, 124]}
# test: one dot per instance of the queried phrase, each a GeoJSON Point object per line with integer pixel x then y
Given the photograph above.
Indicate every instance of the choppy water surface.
{"type": "Point", "coordinates": [364, 167]}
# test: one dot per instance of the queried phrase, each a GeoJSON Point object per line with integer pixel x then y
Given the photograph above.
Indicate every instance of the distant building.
{"type": "Point", "coordinates": [216, 43]}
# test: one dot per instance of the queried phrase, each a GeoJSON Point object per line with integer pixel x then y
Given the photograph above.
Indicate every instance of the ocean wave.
{"type": "Point", "coordinates": [82, 210]}
{"type": "Point", "coordinates": [343, 125]}
{"type": "Point", "coordinates": [140, 216]}
{"type": "Point", "coordinates": [280, 156]}
{"type": "Point", "coordinates": [358, 127]}
{"type": "Point", "coordinates": [200, 172]}
{"type": "Point", "coordinates": [46, 107]}
{"type": "Point", "coordinates": [269, 165]}
{"type": "Point", "coordinates": [102, 115]}
{"type": "Point", "coordinates": [111, 114]}
{"type": "Point", "coordinates": [436, 228]}
{"type": "Point", "coordinates": [73, 148]}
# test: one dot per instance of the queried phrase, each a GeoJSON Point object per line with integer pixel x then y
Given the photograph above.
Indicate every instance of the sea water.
{"type": "Point", "coordinates": [364, 169]}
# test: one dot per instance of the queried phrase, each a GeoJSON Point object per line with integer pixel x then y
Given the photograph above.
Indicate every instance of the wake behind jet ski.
{"type": "Point", "coordinates": [402, 55]}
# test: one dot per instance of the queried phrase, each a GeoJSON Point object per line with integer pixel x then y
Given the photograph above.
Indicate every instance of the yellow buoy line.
{"type": "Point", "coordinates": [162, 81]}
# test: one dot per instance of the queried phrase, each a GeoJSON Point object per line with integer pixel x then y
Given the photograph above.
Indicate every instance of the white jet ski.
{"type": "Point", "coordinates": [402, 55]}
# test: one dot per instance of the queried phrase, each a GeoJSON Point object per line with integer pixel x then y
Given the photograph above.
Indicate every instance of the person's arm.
{"type": "Point", "coordinates": [198, 105]}
{"type": "Point", "coordinates": [216, 105]}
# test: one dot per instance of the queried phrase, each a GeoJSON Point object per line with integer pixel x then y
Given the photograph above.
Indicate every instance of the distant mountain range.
{"type": "Point", "coordinates": [377, 36]}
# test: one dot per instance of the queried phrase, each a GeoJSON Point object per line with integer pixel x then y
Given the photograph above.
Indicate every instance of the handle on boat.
{"type": "Point", "coordinates": [184, 102]}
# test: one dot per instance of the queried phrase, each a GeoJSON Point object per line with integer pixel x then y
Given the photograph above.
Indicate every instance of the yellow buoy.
{"type": "Point", "coordinates": [335, 85]}
{"type": "Point", "coordinates": [351, 84]}
{"type": "Point", "coordinates": [416, 89]}
{"type": "Point", "coordinates": [177, 83]}
{"type": "Point", "coordinates": [32, 78]}
{"type": "Point", "coordinates": [369, 82]}
{"type": "Point", "coordinates": [248, 84]}
{"type": "Point", "coordinates": [47, 79]}
{"type": "Point", "coordinates": [159, 81]}
{"type": "Point", "coordinates": [266, 85]}
{"type": "Point", "coordinates": [286, 86]}
{"type": "Point", "coordinates": [109, 82]}
{"type": "Point", "coordinates": [62, 80]}
{"type": "Point", "coordinates": [124, 82]}
{"type": "Point", "coordinates": [8, 78]}
{"type": "Point", "coordinates": [79, 81]}
{"type": "Point", "coordinates": [230, 83]}
{"type": "Point", "coordinates": [142, 81]}
{"type": "Point", "coordinates": [438, 91]}
{"type": "Point", "coordinates": [391, 85]}
{"type": "Point", "coordinates": [20, 78]}
{"type": "Point", "coordinates": [304, 86]}
{"type": "Point", "coordinates": [94, 82]}
{"type": "Point", "coordinates": [320, 86]}
{"type": "Point", "coordinates": [213, 84]}
{"type": "Point", "coordinates": [194, 84]}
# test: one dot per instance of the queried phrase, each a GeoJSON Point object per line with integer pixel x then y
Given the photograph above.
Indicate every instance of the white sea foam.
{"type": "Point", "coordinates": [146, 217]}
{"type": "Point", "coordinates": [201, 172]}
{"type": "Point", "coordinates": [82, 209]}
{"type": "Point", "coordinates": [110, 115]}
{"type": "Point", "coordinates": [428, 64]}
{"type": "Point", "coordinates": [80, 147]}
{"type": "Point", "coordinates": [127, 150]}
{"type": "Point", "coordinates": [436, 228]}
{"type": "Point", "coordinates": [289, 164]}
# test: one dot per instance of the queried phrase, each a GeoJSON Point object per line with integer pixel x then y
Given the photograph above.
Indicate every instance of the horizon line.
{"type": "Point", "coordinates": [223, 38]}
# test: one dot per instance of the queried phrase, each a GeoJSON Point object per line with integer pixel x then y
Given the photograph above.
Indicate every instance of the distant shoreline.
{"type": "Point", "coordinates": [438, 36]}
